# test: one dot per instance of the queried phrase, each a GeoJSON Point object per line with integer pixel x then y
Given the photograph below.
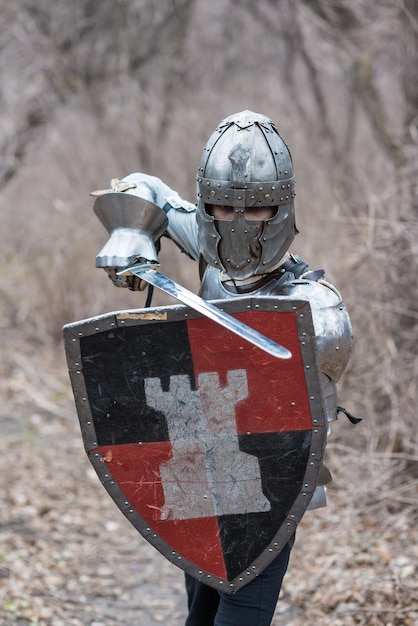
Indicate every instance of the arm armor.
{"type": "Point", "coordinates": [333, 333]}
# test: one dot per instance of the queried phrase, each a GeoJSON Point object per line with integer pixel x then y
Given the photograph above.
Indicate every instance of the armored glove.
{"type": "Point", "coordinates": [135, 223]}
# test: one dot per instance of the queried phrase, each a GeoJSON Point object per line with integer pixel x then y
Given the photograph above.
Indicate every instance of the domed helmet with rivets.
{"type": "Point", "coordinates": [245, 165]}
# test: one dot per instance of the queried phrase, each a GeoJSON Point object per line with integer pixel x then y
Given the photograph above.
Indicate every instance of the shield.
{"type": "Point", "coordinates": [208, 445]}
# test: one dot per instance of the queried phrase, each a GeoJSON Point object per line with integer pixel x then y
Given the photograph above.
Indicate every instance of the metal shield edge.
{"type": "Point", "coordinates": [73, 333]}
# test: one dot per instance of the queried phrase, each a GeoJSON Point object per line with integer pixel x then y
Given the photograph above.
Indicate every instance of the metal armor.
{"type": "Point", "coordinates": [245, 164]}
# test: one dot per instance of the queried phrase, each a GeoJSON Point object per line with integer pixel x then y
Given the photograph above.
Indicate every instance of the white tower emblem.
{"type": "Point", "coordinates": [208, 475]}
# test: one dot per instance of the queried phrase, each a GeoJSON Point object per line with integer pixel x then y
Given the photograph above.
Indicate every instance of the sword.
{"type": "Point", "coordinates": [150, 275]}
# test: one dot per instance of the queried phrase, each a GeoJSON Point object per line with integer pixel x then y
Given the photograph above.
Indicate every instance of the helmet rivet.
{"type": "Point", "coordinates": [261, 188]}
{"type": "Point", "coordinates": [287, 197]}
{"type": "Point", "coordinates": [239, 197]}
{"type": "Point", "coordinates": [208, 183]}
{"type": "Point", "coordinates": [285, 171]}
{"type": "Point", "coordinates": [283, 186]}
{"type": "Point", "coordinates": [267, 196]}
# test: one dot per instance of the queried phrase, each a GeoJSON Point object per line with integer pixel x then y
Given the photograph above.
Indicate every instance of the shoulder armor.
{"type": "Point", "coordinates": [332, 324]}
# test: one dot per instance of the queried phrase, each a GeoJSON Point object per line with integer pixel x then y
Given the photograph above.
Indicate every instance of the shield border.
{"type": "Point", "coordinates": [74, 332]}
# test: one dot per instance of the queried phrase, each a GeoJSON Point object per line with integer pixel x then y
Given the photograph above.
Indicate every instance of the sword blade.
{"type": "Point", "coordinates": [211, 311]}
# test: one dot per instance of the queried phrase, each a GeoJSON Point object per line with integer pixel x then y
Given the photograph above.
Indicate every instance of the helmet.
{"type": "Point", "coordinates": [245, 164]}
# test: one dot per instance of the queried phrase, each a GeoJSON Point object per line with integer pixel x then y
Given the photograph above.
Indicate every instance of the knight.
{"type": "Point", "coordinates": [239, 232]}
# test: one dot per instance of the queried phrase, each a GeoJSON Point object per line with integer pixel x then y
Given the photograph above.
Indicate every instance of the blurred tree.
{"type": "Point", "coordinates": [96, 88]}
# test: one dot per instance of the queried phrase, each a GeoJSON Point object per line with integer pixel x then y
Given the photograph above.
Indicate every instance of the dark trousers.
{"type": "Point", "coordinates": [252, 605]}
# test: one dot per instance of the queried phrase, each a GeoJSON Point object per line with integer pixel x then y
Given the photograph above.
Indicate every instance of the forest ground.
{"type": "Point", "coordinates": [68, 557]}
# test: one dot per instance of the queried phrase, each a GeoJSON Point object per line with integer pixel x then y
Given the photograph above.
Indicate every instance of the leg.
{"type": "Point", "coordinates": [254, 604]}
{"type": "Point", "coordinates": [202, 602]}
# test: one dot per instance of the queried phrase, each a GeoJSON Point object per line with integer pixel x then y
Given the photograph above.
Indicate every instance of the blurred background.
{"type": "Point", "coordinates": [96, 89]}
